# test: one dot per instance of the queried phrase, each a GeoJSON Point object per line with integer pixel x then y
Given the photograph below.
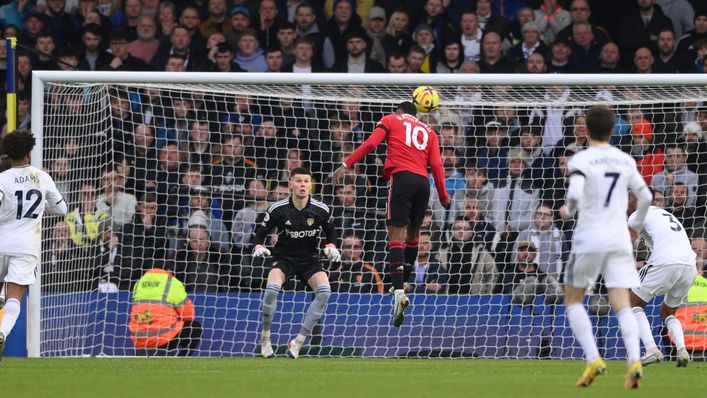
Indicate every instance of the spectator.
{"type": "Point", "coordinates": [231, 174]}
{"type": "Point", "coordinates": [224, 59]}
{"type": "Point", "coordinates": [687, 215]}
{"type": "Point", "coordinates": [190, 19]}
{"type": "Point", "coordinates": [513, 199]}
{"type": "Point", "coordinates": [451, 60]}
{"type": "Point", "coordinates": [166, 19]}
{"type": "Point", "coordinates": [686, 43]}
{"type": "Point", "coordinates": [343, 22]}
{"type": "Point", "coordinates": [286, 37]}
{"type": "Point", "coordinates": [45, 46]}
{"type": "Point", "coordinates": [165, 180]}
{"type": "Point", "coordinates": [424, 37]}
{"type": "Point", "coordinates": [250, 57]}
{"type": "Point", "coordinates": [490, 21]}
{"type": "Point", "coordinates": [144, 237]}
{"type": "Point", "coordinates": [59, 263]}
{"type": "Point", "coordinates": [415, 59]}
{"type": "Point", "coordinates": [471, 36]}
{"type": "Point", "coordinates": [119, 204]}
{"type": "Point", "coordinates": [580, 12]}
{"type": "Point", "coordinates": [85, 219]}
{"type": "Point", "coordinates": [201, 210]}
{"type": "Point", "coordinates": [492, 59]}
{"type": "Point", "coordinates": [201, 265]}
{"type": "Point", "coordinates": [274, 60]}
{"type": "Point", "coordinates": [109, 276]}
{"type": "Point", "coordinates": [474, 213]}
{"type": "Point", "coordinates": [667, 60]}
{"type": "Point", "coordinates": [643, 60]}
{"type": "Point", "coordinates": [524, 15]}
{"type": "Point", "coordinates": [59, 24]}
{"type": "Point", "coordinates": [350, 217]}
{"type": "Point", "coordinates": [354, 275]}
{"type": "Point", "coordinates": [375, 30]}
{"type": "Point", "coordinates": [531, 44]}
{"type": "Point", "coordinates": [245, 219]}
{"type": "Point", "coordinates": [547, 239]}
{"type": "Point", "coordinates": [132, 9]}
{"type": "Point", "coordinates": [609, 59]}
{"type": "Point", "coordinates": [33, 25]}
{"type": "Point", "coordinates": [477, 187]}
{"type": "Point", "coordinates": [122, 59]}
{"type": "Point", "coordinates": [303, 52]}
{"type": "Point", "coordinates": [676, 171]}
{"type": "Point", "coordinates": [269, 17]}
{"type": "Point", "coordinates": [174, 313]}
{"type": "Point", "coordinates": [658, 200]}
{"type": "Point", "coordinates": [693, 136]}
{"type": "Point", "coordinates": [240, 21]}
{"type": "Point", "coordinates": [551, 19]}
{"type": "Point", "coordinates": [531, 137]}
{"type": "Point", "coordinates": [470, 266]}
{"type": "Point", "coordinates": [179, 44]}
{"type": "Point", "coordinates": [649, 159]}
{"type": "Point", "coordinates": [63, 177]}
{"type": "Point", "coordinates": [90, 51]}
{"type": "Point", "coordinates": [585, 51]}
{"type": "Point", "coordinates": [641, 27]}
{"type": "Point", "coordinates": [145, 46]}
{"type": "Point", "coordinates": [429, 276]}
{"type": "Point", "coordinates": [397, 63]}
{"type": "Point", "coordinates": [454, 179]}
{"type": "Point", "coordinates": [681, 15]}
{"type": "Point", "coordinates": [356, 59]}
{"type": "Point", "coordinates": [555, 187]}
{"type": "Point", "coordinates": [535, 63]}
{"type": "Point", "coordinates": [493, 152]}
{"type": "Point", "coordinates": [397, 38]}
{"type": "Point", "coordinates": [527, 281]}
{"type": "Point", "coordinates": [306, 26]}
{"type": "Point", "coordinates": [216, 21]}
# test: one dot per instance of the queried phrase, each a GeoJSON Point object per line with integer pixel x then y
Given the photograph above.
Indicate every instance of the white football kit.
{"type": "Point", "coordinates": [670, 269]}
{"type": "Point", "coordinates": [25, 193]}
{"type": "Point", "coordinates": [600, 178]}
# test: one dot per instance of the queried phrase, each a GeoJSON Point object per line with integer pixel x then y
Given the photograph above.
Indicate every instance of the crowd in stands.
{"type": "Point", "coordinates": [184, 176]}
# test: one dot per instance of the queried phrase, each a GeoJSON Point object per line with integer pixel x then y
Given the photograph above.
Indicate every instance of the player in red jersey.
{"type": "Point", "coordinates": [412, 147]}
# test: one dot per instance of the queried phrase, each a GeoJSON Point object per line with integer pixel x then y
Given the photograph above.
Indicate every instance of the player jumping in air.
{"type": "Point", "coordinates": [669, 271]}
{"type": "Point", "coordinates": [25, 193]}
{"type": "Point", "coordinates": [412, 147]}
{"type": "Point", "coordinates": [299, 220]}
{"type": "Point", "coordinates": [600, 177]}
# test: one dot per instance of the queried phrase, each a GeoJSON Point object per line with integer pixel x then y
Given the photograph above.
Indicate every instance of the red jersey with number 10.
{"type": "Point", "coordinates": [412, 146]}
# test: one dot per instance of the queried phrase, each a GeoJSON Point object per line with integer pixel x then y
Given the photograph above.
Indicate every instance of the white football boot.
{"type": "Point", "coordinates": [266, 346]}
{"type": "Point", "coordinates": [401, 302]}
{"type": "Point", "coordinates": [652, 355]}
{"type": "Point", "coordinates": [683, 358]}
{"type": "Point", "coordinates": [293, 348]}
{"type": "Point", "coordinates": [2, 344]}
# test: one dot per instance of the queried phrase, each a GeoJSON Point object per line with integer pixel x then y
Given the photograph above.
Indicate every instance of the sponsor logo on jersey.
{"type": "Point", "coordinates": [288, 222]}
{"type": "Point", "coordinates": [301, 234]}
{"type": "Point", "coordinates": [310, 221]}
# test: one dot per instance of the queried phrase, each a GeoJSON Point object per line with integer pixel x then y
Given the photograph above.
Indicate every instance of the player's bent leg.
{"type": "Point", "coordinates": [411, 250]}
{"type": "Point", "coordinates": [275, 280]}
{"type": "Point", "coordinates": [667, 314]}
{"type": "Point", "coordinates": [319, 282]}
{"type": "Point", "coordinates": [652, 354]}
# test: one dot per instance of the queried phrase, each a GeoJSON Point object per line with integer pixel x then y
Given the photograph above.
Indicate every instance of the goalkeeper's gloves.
{"type": "Point", "coordinates": [332, 253]}
{"type": "Point", "coordinates": [260, 251]}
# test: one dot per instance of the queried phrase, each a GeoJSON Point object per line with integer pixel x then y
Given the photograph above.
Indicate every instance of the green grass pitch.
{"type": "Point", "coordinates": [310, 377]}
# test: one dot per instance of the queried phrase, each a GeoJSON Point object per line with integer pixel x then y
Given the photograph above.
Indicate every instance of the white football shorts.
{"type": "Point", "coordinates": [20, 269]}
{"type": "Point", "coordinates": [673, 281]}
{"type": "Point", "coordinates": [618, 269]}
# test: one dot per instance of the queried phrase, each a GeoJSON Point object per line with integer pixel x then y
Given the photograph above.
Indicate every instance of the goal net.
{"type": "Point", "coordinates": [176, 168]}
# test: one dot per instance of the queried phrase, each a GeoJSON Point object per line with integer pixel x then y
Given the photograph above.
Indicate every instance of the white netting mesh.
{"type": "Point", "coordinates": [146, 168]}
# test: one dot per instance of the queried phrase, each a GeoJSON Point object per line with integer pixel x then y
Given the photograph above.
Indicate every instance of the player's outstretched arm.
{"type": "Point", "coordinates": [438, 172]}
{"type": "Point", "coordinates": [643, 200]}
{"type": "Point", "coordinates": [364, 149]}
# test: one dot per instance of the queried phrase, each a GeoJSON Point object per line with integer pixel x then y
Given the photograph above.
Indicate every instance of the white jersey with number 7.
{"type": "Point", "coordinates": [25, 192]}
{"type": "Point", "coordinates": [602, 224]}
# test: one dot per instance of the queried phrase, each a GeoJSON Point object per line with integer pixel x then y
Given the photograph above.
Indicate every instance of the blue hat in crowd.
{"type": "Point", "coordinates": [240, 10]}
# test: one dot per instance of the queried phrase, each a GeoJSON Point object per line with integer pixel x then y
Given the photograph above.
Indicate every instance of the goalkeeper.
{"type": "Point", "coordinates": [299, 220]}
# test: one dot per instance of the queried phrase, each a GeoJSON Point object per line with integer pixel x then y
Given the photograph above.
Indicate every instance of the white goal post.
{"type": "Point", "coordinates": [469, 313]}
